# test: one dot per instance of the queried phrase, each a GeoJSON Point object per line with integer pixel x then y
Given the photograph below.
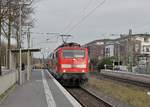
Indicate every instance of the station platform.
{"type": "Point", "coordinates": [41, 91]}
{"type": "Point", "coordinates": [144, 78]}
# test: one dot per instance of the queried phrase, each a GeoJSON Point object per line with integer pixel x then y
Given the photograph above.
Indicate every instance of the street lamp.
{"type": "Point", "coordinates": [118, 52]}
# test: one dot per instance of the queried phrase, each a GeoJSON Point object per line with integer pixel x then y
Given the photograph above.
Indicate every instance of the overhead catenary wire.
{"type": "Point", "coordinates": [45, 33]}
{"type": "Point", "coordinates": [86, 16]}
{"type": "Point", "coordinates": [88, 5]}
{"type": "Point", "coordinates": [82, 12]}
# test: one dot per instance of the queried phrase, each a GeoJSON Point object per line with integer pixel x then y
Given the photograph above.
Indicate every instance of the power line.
{"type": "Point", "coordinates": [86, 16]}
{"type": "Point", "coordinates": [87, 6]}
{"type": "Point", "coordinates": [80, 15]}
{"type": "Point", "coordinates": [45, 33]}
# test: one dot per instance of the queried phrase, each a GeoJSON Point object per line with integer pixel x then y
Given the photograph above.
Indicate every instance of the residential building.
{"type": "Point", "coordinates": [109, 48]}
{"type": "Point", "coordinates": [97, 49]}
{"type": "Point", "coordinates": [128, 48]}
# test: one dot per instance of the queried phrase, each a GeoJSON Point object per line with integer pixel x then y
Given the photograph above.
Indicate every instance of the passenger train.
{"type": "Point", "coordinates": [69, 64]}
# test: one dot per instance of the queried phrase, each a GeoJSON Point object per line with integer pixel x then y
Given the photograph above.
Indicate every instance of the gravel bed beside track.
{"type": "Point", "coordinates": [86, 98]}
{"type": "Point", "coordinates": [121, 90]}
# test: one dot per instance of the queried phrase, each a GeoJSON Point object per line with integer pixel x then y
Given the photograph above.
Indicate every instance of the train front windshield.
{"type": "Point", "coordinates": [73, 53]}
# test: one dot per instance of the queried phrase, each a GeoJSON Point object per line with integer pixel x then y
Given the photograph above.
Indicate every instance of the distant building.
{"type": "Point", "coordinates": [125, 49]}
{"type": "Point", "coordinates": [109, 48]}
{"type": "Point", "coordinates": [97, 49]}
{"type": "Point", "coordinates": [128, 48]}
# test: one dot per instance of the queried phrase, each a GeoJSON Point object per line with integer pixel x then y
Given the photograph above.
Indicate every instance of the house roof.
{"type": "Point", "coordinates": [101, 40]}
{"type": "Point", "coordinates": [133, 35]}
{"type": "Point", "coordinates": [114, 40]}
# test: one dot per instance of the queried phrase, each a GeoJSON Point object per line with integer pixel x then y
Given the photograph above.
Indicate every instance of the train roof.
{"type": "Point", "coordinates": [72, 44]}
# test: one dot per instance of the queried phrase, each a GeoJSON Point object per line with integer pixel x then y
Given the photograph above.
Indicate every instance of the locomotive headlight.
{"type": "Point", "coordinates": [81, 66]}
{"type": "Point", "coordinates": [83, 71]}
{"type": "Point", "coordinates": [66, 65]}
{"type": "Point", "coordinates": [64, 71]}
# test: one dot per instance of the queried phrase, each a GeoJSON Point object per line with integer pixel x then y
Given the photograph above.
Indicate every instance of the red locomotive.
{"type": "Point", "coordinates": [69, 64]}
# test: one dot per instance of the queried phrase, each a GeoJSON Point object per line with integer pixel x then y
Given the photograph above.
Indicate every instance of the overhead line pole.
{"type": "Point", "coordinates": [28, 37]}
{"type": "Point", "coordinates": [20, 55]}
{"type": "Point", "coordinates": [0, 39]}
{"type": "Point", "coordinates": [67, 36]}
{"type": "Point", "coordinates": [9, 35]}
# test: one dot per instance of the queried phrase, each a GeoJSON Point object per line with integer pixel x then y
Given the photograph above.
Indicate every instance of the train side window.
{"type": "Point", "coordinates": [56, 54]}
{"type": "Point", "coordinates": [53, 56]}
{"type": "Point", "coordinates": [56, 57]}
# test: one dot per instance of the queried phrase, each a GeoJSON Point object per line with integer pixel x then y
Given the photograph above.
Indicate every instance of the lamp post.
{"type": "Point", "coordinates": [118, 45]}
{"type": "Point", "coordinates": [118, 52]}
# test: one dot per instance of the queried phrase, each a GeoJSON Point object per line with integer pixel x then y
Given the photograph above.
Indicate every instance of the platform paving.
{"type": "Point", "coordinates": [35, 93]}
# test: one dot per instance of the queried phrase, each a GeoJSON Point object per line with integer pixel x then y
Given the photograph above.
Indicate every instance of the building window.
{"type": "Point", "coordinates": [145, 39]}
{"type": "Point", "coordinates": [147, 49]}
{"type": "Point", "coordinates": [137, 47]}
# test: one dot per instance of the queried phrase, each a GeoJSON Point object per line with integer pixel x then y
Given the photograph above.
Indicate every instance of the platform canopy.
{"type": "Point", "coordinates": [20, 51]}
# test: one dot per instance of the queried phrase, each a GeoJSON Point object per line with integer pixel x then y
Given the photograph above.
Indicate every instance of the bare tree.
{"type": "Point", "coordinates": [9, 18]}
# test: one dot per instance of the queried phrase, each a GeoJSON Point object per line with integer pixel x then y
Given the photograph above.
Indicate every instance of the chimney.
{"type": "Point", "coordinates": [130, 31]}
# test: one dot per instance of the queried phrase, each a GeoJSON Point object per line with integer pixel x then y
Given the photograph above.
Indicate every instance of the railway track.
{"type": "Point", "coordinates": [123, 80]}
{"type": "Point", "coordinates": [86, 98]}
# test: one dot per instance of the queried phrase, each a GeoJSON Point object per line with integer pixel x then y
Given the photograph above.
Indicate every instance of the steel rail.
{"type": "Point", "coordinates": [87, 98]}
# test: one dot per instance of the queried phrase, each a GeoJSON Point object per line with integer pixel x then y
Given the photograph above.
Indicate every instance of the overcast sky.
{"type": "Point", "coordinates": [113, 17]}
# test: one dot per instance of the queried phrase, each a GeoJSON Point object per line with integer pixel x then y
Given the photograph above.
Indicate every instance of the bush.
{"type": "Point", "coordinates": [107, 61]}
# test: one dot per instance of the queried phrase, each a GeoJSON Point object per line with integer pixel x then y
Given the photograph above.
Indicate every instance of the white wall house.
{"type": "Point", "coordinates": [145, 44]}
{"type": "Point", "coordinates": [109, 50]}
